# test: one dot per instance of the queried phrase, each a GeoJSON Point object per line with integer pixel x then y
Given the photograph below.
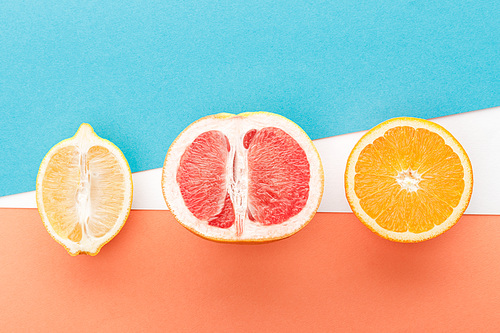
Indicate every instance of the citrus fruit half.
{"type": "Point", "coordinates": [84, 192]}
{"type": "Point", "coordinates": [408, 180]}
{"type": "Point", "coordinates": [250, 177]}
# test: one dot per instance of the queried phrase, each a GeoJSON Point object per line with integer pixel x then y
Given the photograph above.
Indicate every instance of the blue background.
{"type": "Point", "coordinates": [140, 71]}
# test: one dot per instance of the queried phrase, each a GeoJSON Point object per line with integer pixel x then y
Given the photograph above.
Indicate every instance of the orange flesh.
{"type": "Point", "coordinates": [409, 180]}
{"type": "Point", "coordinates": [83, 193]}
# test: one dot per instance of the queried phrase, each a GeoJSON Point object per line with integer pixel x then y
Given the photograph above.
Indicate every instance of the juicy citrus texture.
{"type": "Point", "coordinates": [201, 174]}
{"type": "Point", "coordinates": [279, 175]}
{"type": "Point", "coordinates": [84, 192]}
{"type": "Point", "coordinates": [249, 177]}
{"type": "Point", "coordinates": [408, 179]}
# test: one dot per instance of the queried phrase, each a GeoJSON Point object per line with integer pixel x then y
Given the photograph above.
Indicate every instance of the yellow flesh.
{"type": "Point", "coordinates": [431, 173]}
{"type": "Point", "coordinates": [83, 192]}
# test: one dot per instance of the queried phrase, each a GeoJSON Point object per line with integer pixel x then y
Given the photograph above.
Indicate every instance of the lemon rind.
{"type": "Point", "coordinates": [72, 247]}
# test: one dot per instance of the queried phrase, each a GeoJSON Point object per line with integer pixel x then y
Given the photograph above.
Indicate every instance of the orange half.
{"type": "Point", "coordinates": [408, 180]}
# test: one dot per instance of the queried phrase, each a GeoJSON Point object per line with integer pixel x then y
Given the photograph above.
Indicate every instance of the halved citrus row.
{"type": "Point", "coordinates": [408, 180]}
{"type": "Point", "coordinates": [84, 192]}
{"type": "Point", "coordinates": [250, 177]}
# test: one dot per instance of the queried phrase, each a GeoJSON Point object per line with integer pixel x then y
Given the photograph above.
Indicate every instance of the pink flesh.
{"type": "Point", "coordinates": [225, 218]}
{"type": "Point", "coordinates": [278, 173]}
{"type": "Point", "coordinates": [202, 174]}
{"type": "Point", "coordinates": [248, 138]}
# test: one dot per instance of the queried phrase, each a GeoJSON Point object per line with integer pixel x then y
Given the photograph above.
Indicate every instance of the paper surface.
{"type": "Point", "coordinates": [333, 276]}
{"type": "Point", "coordinates": [141, 71]}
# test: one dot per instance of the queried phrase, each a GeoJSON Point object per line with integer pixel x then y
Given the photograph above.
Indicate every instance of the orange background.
{"type": "Point", "coordinates": [335, 274]}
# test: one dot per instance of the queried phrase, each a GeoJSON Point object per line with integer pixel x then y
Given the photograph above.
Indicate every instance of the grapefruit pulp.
{"type": "Point", "coordinates": [250, 177]}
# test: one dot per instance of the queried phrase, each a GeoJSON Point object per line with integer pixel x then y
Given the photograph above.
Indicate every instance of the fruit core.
{"type": "Point", "coordinates": [83, 192]}
{"type": "Point", "coordinates": [258, 176]}
{"type": "Point", "coordinates": [409, 180]}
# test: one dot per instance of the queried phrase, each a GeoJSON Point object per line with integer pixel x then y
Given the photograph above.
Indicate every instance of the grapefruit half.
{"type": "Point", "coordinates": [251, 177]}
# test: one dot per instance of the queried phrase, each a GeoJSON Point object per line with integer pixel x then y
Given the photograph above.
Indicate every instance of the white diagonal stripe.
{"type": "Point", "coordinates": [477, 131]}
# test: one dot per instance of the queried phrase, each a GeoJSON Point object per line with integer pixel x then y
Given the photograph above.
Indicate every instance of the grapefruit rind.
{"type": "Point", "coordinates": [378, 131]}
{"type": "Point", "coordinates": [85, 138]}
{"type": "Point", "coordinates": [253, 233]}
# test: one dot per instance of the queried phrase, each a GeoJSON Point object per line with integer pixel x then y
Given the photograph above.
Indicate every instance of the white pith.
{"type": "Point", "coordinates": [235, 127]}
{"type": "Point", "coordinates": [83, 140]}
{"type": "Point", "coordinates": [408, 180]}
{"type": "Point", "coordinates": [411, 181]}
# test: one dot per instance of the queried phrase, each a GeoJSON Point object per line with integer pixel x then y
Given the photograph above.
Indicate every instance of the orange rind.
{"type": "Point", "coordinates": [408, 180]}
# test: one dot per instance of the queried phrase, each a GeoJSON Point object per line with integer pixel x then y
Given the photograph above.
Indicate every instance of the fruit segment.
{"type": "Point", "coordinates": [225, 218]}
{"type": "Point", "coordinates": [60, 185]}
{"type": "Point", "coordinates": [202, 174]}
{"type": "Point", "coordinates": [278, 176]}
{"type": "Point", "coordinates": [107, 193]}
